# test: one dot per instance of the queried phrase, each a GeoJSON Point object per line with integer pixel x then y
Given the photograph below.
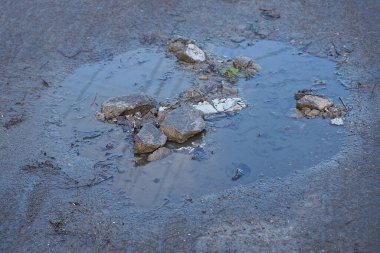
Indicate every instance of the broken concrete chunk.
{"type": "Point", "coordinates": [183, 123]}
{"type": "Point", "coordinates": [127, 105]}
{"type": "Point", "coordinates": [159, 154]}
{"type": "Point", "coordinates": [185, 50]}
{"type": "Point", "coordinates": [195, 53]}
{"type": "Point", "coordinates": [148, 139]}
{"type": "Point", "coordinates": [205, 107]}
{"type": "Point", "coordinates": [314, 102]}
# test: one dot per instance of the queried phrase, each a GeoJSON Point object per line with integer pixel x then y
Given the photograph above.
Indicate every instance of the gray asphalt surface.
{"type": "Point", "coordinates": [332, 207]}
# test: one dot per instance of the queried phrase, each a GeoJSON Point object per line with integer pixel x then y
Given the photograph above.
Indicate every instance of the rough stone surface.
{"type": "Point", "coordinates": [183, 123]}
{"type": "Point", "coordinates": [195, 53]}
{"type": "Point", "coordinates": [149, 139]}
{"type": "Point", "coordinates": [242, 62]}
{"type": "Point", "coordinates": [159, 154]}
{"type": "Point", "coordinates": [127, 105]}
{"type": "Point", "coordinates": [314, 102]}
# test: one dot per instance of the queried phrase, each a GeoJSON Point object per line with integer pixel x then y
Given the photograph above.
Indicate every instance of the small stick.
{"type": "Point", "coordinates": [91, 184]}
{"type": "Point", "coordinates": [341, 100]}
{"type": "Point", "coordinates": [94, 100]}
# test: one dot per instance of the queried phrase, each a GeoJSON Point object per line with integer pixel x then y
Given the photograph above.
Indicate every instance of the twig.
{"type": "Point", "coordinates": [43, 65]}
{"type": "Point", "coordinates": [94, 100]}
{"type": "Point", "coordinates": [91, 184]}
{"type": "Point", "coordinates": [341, 100]}
{"type": "Point", "coordinates": [373, 89]}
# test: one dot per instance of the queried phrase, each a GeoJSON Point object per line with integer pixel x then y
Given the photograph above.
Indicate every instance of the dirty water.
{"type": "Point", "coordinates": [262, 140]}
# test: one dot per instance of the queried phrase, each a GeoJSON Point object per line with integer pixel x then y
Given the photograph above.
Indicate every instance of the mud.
{"type": "Point", "coordinates": [56, 197]}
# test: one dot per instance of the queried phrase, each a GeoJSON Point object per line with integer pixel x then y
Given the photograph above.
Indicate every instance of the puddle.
{"type": "Point", "coordinates": [262, 140]}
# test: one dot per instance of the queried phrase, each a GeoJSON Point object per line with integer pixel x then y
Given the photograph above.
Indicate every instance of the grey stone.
{"type": "Point", "coordinates": [242, 62]}
{"type": "Point", "coordinates": [148, 139]}
{"type": "Point", "coordinates": [314, 102]}
{"type": "Point", "coordinates": [127, 105]}
{"type": "Point", "coordinates": [159, 154]}
{"type": "Point", "coordinates": [182, 123]}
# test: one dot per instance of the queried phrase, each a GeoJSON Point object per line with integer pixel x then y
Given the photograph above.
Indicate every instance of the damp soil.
{"type": "Point", "coordinates": [263, 140]}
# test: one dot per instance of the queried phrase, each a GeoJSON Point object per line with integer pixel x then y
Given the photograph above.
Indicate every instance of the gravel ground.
{"type": "Point", "coordinates": [332, 207]}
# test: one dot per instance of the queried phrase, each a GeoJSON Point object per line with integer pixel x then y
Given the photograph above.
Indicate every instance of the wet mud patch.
{"type": "Point", "coordinates": [263, 140]}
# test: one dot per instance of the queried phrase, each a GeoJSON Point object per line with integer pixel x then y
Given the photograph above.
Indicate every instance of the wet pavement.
{"type": "Point", "coordinates": [262, 140]}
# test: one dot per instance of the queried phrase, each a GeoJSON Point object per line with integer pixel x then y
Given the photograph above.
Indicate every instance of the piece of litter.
{"type": "Point", "coordinates": [337, 122]}
{"type": "Point", "coordinates": [205, 107]}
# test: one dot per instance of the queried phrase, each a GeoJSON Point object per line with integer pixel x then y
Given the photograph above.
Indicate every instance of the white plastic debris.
{"type": "Point", "coordinates": [229, 104]}
{"type": "Point", "coordinates": [205, 107]}
{"type": "Point", "coordinates": [221, 105]}
{"type": "Point", "coordinates": [195, 53]}
{"type": "Point", "coordinates": [162, 108]}
{"type": "Point", "coordinates": [337, 122]}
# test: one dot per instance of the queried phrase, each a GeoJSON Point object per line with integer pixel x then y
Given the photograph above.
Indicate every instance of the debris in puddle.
{"type": "Point", "coordinates": [203, 78]}
{"type": "Point", "coordinates": [186, 51]}
{"type": "Point", "coordinates": [319, 83]}
{"type": "Point", "coordinates": [228, 104]}
{"type": "Point", "coordinates": [238, 174]}
{"type": "Point", "coordinates": [221, 105]}
{"type": "Point", "coordinates": [313, 105]}
{"type": "Point", "coordinates": [127, 105]}
{"type": "Point", "coordinates": [198, 154]}
{"type": "Point", "coordinates": [269, 14]}
{"type": "Point", "coordinates": [230, 69]}
{"type": "Point", "coordinates": [148, 139]}
{"type": "Point", "coordinates": [159, 154]}
{"type": "Point", "coordinates": [337, 121]}
{"type": "Point", "coordinates": [183, 123]}
{"type": "Point", "coordinates": [314, 102]}
{"type": "Point", "coordinates": [195, 53]}
{"type": "Point", "coordinates": [205, 107]}
{"type": "Point", "coordinates": [45, 84]}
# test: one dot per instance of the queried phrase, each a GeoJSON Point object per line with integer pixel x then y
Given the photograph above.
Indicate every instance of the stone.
{"type": "Point", "coordinates": [100, 116]}
{"type": "Point", "coordinates": [195, 53]}
{"type": "Point", "coordinates": [296, 114]}
{"type": "Point", "coordinates": [314, 102]}
{"type": "Point", "coordinates": [315, 112]}
{"type": "Point", "coordinates": [193, 94]}
{"type": "Point", "coordinates": [159, 154]}
{"type": "Point", "coordinates": [242, 62]}
{"type": "Point", "coordinates": [127, 105]}
{"type": "Point", "coordinates": [337, 122]}
{"type": "Point", "coordinates": [205, 107]}
{"type": "Point", "coordinates": [148, 139]}
{"type": "Point", "coordinates": [182, 123]}
{"type": "Point", "coordinates": [238, 39]}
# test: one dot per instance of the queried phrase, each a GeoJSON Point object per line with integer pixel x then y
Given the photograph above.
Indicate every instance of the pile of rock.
{"type": "Point", "coordinates": [188, 53]}
{"type": "Point", "coordinates": [151, 132]}
{"type": "Point", "coordinates": [313, 105]}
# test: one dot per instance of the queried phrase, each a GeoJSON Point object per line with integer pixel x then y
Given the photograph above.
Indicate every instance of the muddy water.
{"type": "Point", "coordinates": [262, 140]}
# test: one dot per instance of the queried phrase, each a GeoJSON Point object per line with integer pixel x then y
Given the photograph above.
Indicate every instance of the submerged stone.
{"type": "Point", "coordinates": [159, 154]}
{"type": "Point", "coordinates": [314, 102]}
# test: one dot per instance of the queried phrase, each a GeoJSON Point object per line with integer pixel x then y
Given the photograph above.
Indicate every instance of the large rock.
{"type": "Point", "coordinates": [314, 102]}
{"type": "Point", "coordinates": [149, 139]}
{"type": "Point", "coordinates": [127, 105]}
{"type": "Point", "coordinates": [182, 123]}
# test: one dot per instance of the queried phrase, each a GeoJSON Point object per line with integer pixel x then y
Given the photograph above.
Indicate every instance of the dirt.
{"type": "Point", "coordinates": [53, 199]}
